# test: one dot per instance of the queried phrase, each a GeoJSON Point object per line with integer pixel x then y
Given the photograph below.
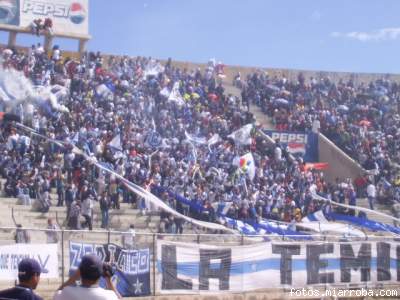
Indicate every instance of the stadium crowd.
{"type": "Point", "coordinates": [363, 120]}
{"type": "Point", "coordinates": [120, 110]}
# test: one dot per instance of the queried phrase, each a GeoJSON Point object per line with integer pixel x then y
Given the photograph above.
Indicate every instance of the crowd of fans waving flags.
{"type": "Point", "coordinates": [170, 140]}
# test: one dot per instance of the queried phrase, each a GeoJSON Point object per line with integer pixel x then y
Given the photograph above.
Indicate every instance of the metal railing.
{"type": "Point", "coordinates": [149, 240]}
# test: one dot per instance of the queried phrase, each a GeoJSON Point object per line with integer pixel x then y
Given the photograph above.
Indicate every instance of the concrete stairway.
{"type": "Point", "coordinates": [261, 118]}
{"type": "Point", "coordinates": [145, 226]}
{"type": "Point", "coordinates": [363, 202]}
{"type": "Point", "coordinates": [119, 219]}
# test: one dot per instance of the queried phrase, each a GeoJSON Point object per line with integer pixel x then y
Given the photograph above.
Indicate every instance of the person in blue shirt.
{"type": "Point", "coordinates": [29, 276]}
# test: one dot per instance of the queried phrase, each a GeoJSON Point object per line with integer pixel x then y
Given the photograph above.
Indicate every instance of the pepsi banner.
{"type": "Point", "coordinates": [68, 16]}
{"type": "Point", "coordinates": [185, 268]}
{"type": "Point", "coordinates": [132, 267]}
{"type": "Point", "coordinates": [298, 144]}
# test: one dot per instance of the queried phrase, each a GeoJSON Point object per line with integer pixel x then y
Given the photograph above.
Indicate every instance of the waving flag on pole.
{"type": "Point", "coordinates": [213, 140]}
{"type": "Point", "coordinates": [165, 92]}
{"type": "Point", "coordinates": [153, 68]}
{"type": "Point", "coordinates": [246, 164]}
{"type": "Point", "coordinates": [176, 96]}
{"type": "Point", "coordinates": [243, 135]}
{"type": "Point", "coordinates": [75, 140]}
{"type": "Point", "coordinates": [116, 143]}
{"type": "Point", "coordinates": [105, 90]}
{"type": "Point", "coordinates": [154, 139]}
{"type": "Point", "coordinates": [195, 139]}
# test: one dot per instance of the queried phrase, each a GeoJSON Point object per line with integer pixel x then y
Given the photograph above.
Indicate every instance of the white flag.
{"type": "Point", "coordinates": [246, 164]}
{"type": "Point", "coordinates": [194, 139]}
{"type": "Point", "coordinates": [42, 162]}
{"type": "Point", "coordinates": [75, 140]}
{"type": "Point", "coordinates": [214, 139]}
{"type": "Point", "coordinates": [103, 91]}
{"type": "Point", "coordinates": [165, 92]}
{"type": "Point", "coordinates": [242, 136]}
{"type": "Point", "coordinates": [153, 68]}
{"type": "Point", "coordinates": [176, 96]}
{"type": "Point", "coordinates": [116, 143]}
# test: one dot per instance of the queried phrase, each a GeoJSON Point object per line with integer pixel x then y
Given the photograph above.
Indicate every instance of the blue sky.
{"type": "Point", "coordinates": [337, 35]}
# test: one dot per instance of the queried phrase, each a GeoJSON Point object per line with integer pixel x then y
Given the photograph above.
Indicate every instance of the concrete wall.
{"type": "Point", "coordinates": [292, 74]}
{"type": "Point", "coordinates": [341, 165]}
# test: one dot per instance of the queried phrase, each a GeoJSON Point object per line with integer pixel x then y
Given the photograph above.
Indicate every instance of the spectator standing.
{"type": "Point", "coordinates": [352, 200]}
{"type": "Point", "coordinates": [89, 273]}
{"type": "Point", "coordinates": [74, 215]}
{"type": "Point", "coordinates": [113, 189]}
{"type": "Point", "coordinates": [70, 194]}
{"type": "Point", "coordinates": [128, 238]}
{"type": "Point", "coordinates": [87, 211]}
{"type": "Point", "coordinates": [22, 235]}
{"type": "Point", "coordinates": [104, 207]}
{"type": "Point", "coordinates": [56, 56]}
{"type": "Point", "coordinates": [52, 234]}
{"type": "Point", "coordinates": [60, 185]}
{"type": "Point", "coordinates": [371, 194]}
{"type": "Point", "coordinates": [316, 125]}
{"type": "Point", "coordinates": [23, 193]}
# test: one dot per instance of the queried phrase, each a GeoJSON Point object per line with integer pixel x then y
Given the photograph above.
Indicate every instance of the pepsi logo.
{"type": "Point", "coordinates": [8, 11]}
{"type": "Point", "coordinates": [77, 13]}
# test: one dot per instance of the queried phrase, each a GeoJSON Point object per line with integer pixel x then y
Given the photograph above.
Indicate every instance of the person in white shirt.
{"type": "Point", "coordinates": [278, 153]}
{"type": "Point", "coordinates": [56, 54]}
{"type": "Point", "coordinates": [52, 236]}
{"type": "Point", "coordinates": [128, 238]}
{"type": "Point", "coordinates": [90, 270]}
{"type": "Point", "coordinates": [39, 49]}
{"type": "Point", "coordinates": [316, 125]}
{"type": "Point", "coordinates": [371, 193]}
{"type": "Point", "coordinates": [87, 211]}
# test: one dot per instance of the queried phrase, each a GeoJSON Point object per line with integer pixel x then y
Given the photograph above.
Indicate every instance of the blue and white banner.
{"type": "Point", "coordinates": [248, 227]}
{"type": "Point", "coordinates": [185, 268]}
{"type": "Point", "coordinates": [364, 223]}
{"type": "Point", "coordinates": [132, 276]}
{"type": "Point", "coordinates": [154, 139]}
{"type": "Point", "coordinates": [298, 144]}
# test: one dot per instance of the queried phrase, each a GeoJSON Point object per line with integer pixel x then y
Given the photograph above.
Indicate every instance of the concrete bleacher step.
{"type": "Point", "coordinates": [363, 202]}
{"type": "Point", "coordinates": [119, 219]}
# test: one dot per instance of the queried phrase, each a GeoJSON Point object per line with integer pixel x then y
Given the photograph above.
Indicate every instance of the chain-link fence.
{"type": "Point", "coordinates": [140, 240]}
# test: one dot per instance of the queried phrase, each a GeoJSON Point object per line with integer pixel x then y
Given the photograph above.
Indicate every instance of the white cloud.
{"type": "Point", "coordinates": [316, 15]}
{"type": "Point", "coordinates": [384, 34]}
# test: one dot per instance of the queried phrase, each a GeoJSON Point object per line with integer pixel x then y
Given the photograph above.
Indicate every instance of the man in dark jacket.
{"type": "Point", "coordinates": [29, 276]}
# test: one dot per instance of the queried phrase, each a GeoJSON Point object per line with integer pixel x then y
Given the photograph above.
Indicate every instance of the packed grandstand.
{"type": "Point", "coordinates": [95, 134]}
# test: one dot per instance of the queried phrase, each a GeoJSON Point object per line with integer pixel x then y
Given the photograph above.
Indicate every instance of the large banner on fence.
{"type": "Point", "coordinates": [298, 144]}
{"type": "Point", "coordinates": [68, 16]}
{"type": "Point", "coordinates": [195, 268]}
{"type": "Point", "coordinates": [45, 254]}
{"type": "Point", "coordinates": [132, 276]}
